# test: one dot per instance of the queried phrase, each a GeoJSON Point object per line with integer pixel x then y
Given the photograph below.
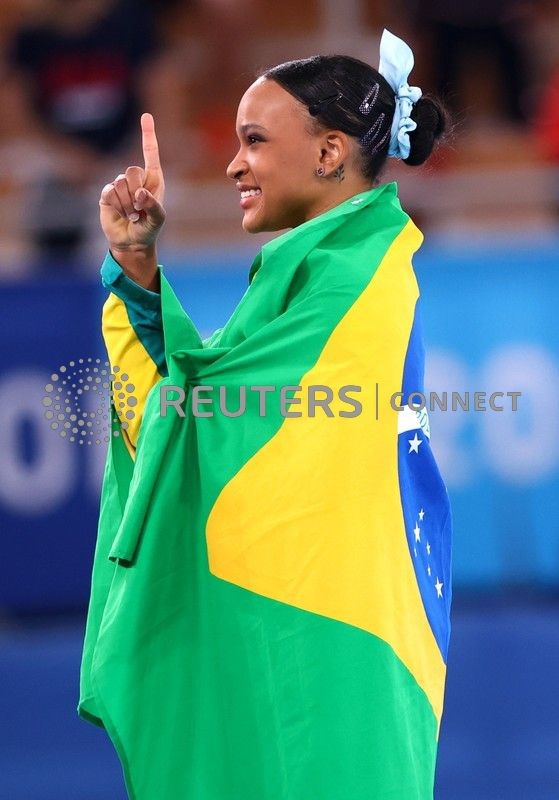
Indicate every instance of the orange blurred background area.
{"type": "Point", "coordinates": [497, 71]}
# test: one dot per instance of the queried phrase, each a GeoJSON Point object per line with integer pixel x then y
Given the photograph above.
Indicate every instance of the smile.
{"type": "Point", "coordinates": [248, 197]}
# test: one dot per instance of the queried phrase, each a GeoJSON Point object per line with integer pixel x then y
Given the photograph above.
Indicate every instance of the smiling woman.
{"type": "Point", "coordinates": [276, 150]}
{"type": "Point", "coordinates": [271, 593]}
{"type": "Point", "coordinates": [328, 118]}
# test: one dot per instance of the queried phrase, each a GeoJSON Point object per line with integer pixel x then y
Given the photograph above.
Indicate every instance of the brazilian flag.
{"type": "Point", "coordinates": [271, 593]}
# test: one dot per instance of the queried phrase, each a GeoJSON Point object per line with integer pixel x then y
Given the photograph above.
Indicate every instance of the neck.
{"type": "Point", "coordinates": [335, 193]}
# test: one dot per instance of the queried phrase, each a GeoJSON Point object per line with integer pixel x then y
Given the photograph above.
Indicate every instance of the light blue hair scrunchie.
{"type": "Point", "coordinates": [396, 63]}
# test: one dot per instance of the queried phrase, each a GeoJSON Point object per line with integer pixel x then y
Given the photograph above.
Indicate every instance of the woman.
{"type": "Point", "coordinates": [269, 617]}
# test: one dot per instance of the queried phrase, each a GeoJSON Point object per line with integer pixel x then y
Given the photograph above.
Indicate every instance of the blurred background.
{"type": "Point", "coordinates": [74, 77]}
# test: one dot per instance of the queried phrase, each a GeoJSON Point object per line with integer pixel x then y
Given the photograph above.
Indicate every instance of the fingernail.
{"type": "Point", "coordinates": [137, 206]}
{"type": "Point", "coordinates": [134, 217]}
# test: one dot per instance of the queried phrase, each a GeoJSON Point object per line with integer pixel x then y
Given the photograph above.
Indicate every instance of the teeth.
{"type": "Point", "coordinates": [251, 193]}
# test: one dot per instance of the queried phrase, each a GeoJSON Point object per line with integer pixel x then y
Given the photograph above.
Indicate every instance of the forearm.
{"type": "Point", "coordinates": [140, 265]}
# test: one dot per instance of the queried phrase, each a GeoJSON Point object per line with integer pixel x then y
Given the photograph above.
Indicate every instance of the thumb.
{"type": "Point", "coordinates": [145, 201]}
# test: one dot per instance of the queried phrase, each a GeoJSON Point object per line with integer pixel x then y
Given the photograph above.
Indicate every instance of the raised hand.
{"type": "Point", "coordinates": [131, 209]}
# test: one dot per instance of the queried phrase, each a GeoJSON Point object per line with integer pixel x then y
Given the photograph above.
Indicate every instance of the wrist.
{"type": "Point", "coordinates": [139, 263]}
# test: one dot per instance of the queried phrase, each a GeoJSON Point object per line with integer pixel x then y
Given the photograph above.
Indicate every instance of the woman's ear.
{"type": "Point", "coordinates": [334, 150]}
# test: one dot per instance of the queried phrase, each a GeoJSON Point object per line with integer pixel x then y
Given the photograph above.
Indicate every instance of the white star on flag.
{"type": "Point", "coordinates": [439, 588]}
{"type": "Point", "coordinates": [428, 549]}
{"type": "Point", "coordinates": [414, 443]}
{"type": "Point", "coordinates": [416, 531]}
{"type": "Point", "coordinates": [429, 571]}
{"type": "Point", "coordinates": [421, 515]}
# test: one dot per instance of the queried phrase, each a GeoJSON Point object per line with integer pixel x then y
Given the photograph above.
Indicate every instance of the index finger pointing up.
{"type": "Point", "coordinates": [149, 143]}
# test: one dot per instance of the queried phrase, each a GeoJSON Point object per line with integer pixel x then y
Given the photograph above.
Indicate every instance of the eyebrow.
{"type": "Point", "coordinates": [248, 125]}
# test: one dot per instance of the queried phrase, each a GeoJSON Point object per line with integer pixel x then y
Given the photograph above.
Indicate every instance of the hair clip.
{"type": "Point", "coordinates": [369, 140]}
{"type": "Point", "coordinates": [369, 101]}
{"type": "Point", "coordinates": [320, 105]}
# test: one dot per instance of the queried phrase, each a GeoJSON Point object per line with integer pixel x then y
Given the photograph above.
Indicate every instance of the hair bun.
{"type": "Point", "coordinates": [432, 122]}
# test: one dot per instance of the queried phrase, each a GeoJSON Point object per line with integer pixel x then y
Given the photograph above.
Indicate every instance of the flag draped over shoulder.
{"type": "Point", "coordinates": [270, 603]}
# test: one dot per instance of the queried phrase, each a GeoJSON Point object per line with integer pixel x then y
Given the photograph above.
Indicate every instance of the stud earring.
{"type": "Point", "coordinates": [319, 171]}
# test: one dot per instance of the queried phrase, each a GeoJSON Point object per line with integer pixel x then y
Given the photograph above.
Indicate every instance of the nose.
{"type": "Point", "coordinates": [236, 168]}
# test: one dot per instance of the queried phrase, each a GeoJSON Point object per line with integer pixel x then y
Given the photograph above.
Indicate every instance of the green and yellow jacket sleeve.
{"type": "Point", "coordinates": [133, 333]}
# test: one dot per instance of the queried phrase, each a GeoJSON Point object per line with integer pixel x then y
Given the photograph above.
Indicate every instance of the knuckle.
{"type": "Point", "coordinates": [106, 193]}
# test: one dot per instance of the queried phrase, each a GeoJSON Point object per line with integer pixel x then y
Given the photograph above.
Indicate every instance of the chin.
{"type": "Point", "coordinates": [250, 226]}
{"type": "Point", "coordinates": [255, 225]}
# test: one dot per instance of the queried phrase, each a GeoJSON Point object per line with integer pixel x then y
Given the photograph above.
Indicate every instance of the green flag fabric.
{"type": "Point", "coordinates": [265, 621]}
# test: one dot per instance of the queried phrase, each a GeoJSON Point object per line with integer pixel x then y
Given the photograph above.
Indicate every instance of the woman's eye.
{"type": "Point", "coordinates": [253, 139]}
